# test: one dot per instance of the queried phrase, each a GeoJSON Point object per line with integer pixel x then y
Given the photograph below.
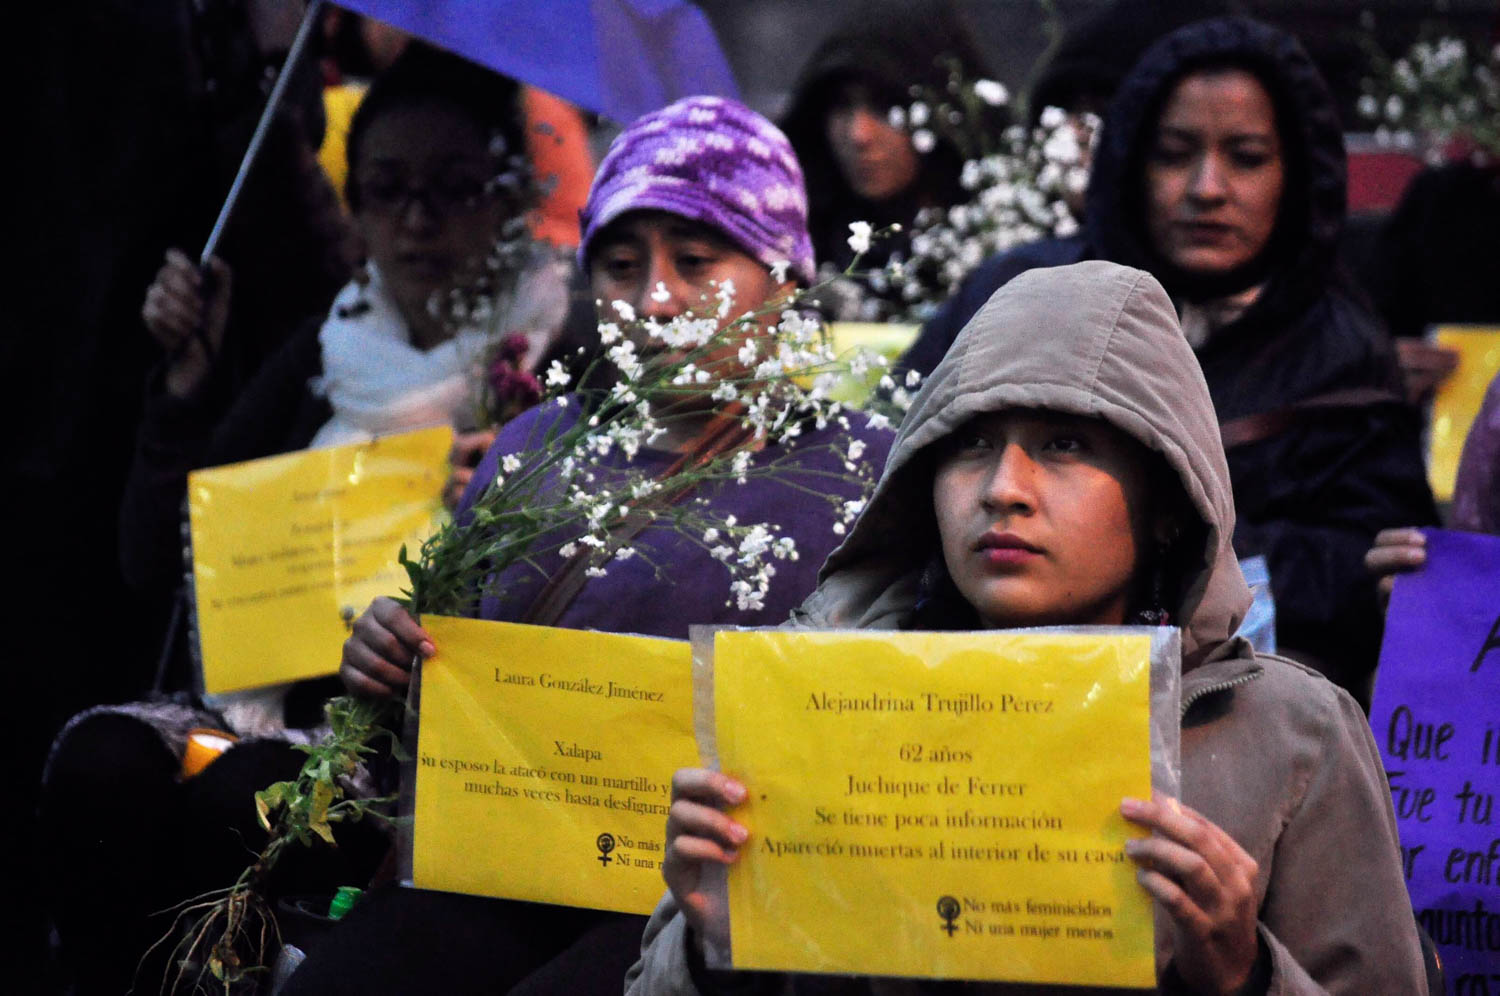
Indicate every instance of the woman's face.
{"type": "Point", "coordinates": [1214, 172]}
{"type": "Point", "coordinates": [1041, 518]}
{"type": "Point", "coordinates": [665, 266]}
{"type": "Point", "coordinates": [875, 158]}
{"type": "Point", "coordinates": [425, 213]}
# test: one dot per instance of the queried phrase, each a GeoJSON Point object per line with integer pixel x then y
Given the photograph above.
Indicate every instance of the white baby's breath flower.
{"type": "Point", "coordinates": [510, 463]}
{"type": "Point", "coordinates": [660, 295]}
{"type": "Point", "coordinates": [747, 353]}
{"type": "Point", "coordinates": [859, 236]}
{"type": "Point", "coordinates": [624, 310]}
{"type": "Point", "coordinates": [778, 270]}
{"type": "Point", "coordinates": [754, 544]}
{"type": "Point", "coordinates": [594, 572]}
{"type": "Point", "coordinates": [710, 535]}
{"type": "Point", "coordinates": [991, 92]}
{"type": "Point", "coordinates": [557, 375]}
{"type": "Point", "coordinates": [897, 117]}
{"type": "Point", "coordinates": [625, 553]}
{"type": "Point", "coordinates": [725, 297]}
{"type": "Point", "coordinates": [913, 378]}
{"type": "Point", "coordinates": [923, 140]}
{"type": "Point", "coordinates": [609, 332]}
{"type": "Point", "coordinates": [877, 421]}
{"type": "Point", "coordinates": [919, 114]}
{"type": "Point", "coordinates": [568, 549]}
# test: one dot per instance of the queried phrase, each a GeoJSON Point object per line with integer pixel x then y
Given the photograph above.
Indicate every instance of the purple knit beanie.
{"type": "Point", "coordinates": [714, 161]}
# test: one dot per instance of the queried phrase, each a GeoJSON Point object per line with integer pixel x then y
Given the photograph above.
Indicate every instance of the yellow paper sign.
{"type": "Point", "coordinates": [937, 805]}
{"type": "Point", "coordinates": [545, 760]}
{"type": "Point", "coordinates": [1458, 398]}
{"type": "Point", "coordinates": [886, 339]}
{"type": "Point", "coordinates": [287, 549]}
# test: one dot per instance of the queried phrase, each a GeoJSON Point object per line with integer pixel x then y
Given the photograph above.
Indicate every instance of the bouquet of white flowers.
{"type": "Point", "coordinates": [1434, 92]}
{"type": "Point", "coordinates": [1023, 184]}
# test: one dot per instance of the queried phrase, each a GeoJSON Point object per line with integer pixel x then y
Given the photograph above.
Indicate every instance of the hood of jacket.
{"type": "Point", "coordinates": [1296, 265]}
{"type": "Point", "coordinates": [1087, 62]}
{"type": "Point", "coordinates": [1114, 351]}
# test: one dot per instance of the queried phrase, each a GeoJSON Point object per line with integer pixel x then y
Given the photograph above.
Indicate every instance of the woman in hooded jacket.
{"type": "Point", "coordinates": [860, 164]}
{"type": "Point", "coordinates": [1075, 479]}
{"type": "Point", "coordinates": [1220, 170]}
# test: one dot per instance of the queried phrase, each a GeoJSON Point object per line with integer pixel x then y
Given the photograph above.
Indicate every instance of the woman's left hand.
{"type": "Point", "coordinates": [1206, 883]}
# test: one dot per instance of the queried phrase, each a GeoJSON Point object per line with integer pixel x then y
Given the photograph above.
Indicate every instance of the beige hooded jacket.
{"type": "Point", "coordinates": [1272, 752]}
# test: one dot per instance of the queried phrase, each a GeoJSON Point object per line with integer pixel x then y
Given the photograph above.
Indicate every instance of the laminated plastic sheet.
{"type": "Point", "coordinates": [544, 761]}
{"type": "Point", "coordinates": [287, 550]}
{"type": "Point", "coordinates": [941, 805]}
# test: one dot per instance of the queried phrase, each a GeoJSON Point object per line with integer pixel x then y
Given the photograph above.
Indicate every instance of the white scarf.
{"type": "Point", "coordinates": [378, 383]}
{"type": "Point", "coordinates": [1200, 321]}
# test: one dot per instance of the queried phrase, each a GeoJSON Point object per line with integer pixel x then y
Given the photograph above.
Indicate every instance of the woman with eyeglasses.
{"type": "Point", "coordinates": [436, 156]}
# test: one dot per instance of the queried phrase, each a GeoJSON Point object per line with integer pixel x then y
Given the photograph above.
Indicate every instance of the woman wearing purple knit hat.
{"type": "Point", "coordinates": [690, 200]}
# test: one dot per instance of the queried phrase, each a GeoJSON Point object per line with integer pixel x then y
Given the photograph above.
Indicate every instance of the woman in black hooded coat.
{"type": "Point", "coordinates": [1323, 452]}
{"type": "Point", "coordinates": [870, 63]}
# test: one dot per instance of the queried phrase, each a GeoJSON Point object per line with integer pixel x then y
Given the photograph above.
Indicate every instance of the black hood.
{"type": "Point", "coordinates": [1085, 65]}
{"type": "Point", "coordinates": [1297, 265]}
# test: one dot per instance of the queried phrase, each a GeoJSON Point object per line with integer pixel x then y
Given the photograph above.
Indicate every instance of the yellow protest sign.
{"type": "Point", "coordinates": [287, 549]}
{"type": "Point", "coordinates": [1458, 398]}
{"type": "Point", "coordinates": [887, 339]}
{"type": "Point", "coordinates": [937, 805]}
{"type": "Point", "coordinates": [545, 760]}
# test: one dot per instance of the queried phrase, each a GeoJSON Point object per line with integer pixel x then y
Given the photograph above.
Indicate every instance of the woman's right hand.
{"type": "Point", "coordinates": [178, 303]}
{"type": "Point", "coordinates": [698, 835]}
{"type": "Point", "coordinates": [1396, 551]}
{"type": "Point", "coordinates": [379, 650]}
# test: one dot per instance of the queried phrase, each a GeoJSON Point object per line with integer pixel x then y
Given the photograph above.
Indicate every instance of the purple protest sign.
{"type": "Point", "coordinates": [1436, 717]}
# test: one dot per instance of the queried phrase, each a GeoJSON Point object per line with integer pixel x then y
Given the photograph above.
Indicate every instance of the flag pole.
{"type": "Point", "coordinates": [273, 104]}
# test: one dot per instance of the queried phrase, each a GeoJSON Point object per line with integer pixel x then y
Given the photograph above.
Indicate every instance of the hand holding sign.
{"type": "Point", "coordinates": [1206, 882]}
{"type": "Point", "coordinates": [699, 834]}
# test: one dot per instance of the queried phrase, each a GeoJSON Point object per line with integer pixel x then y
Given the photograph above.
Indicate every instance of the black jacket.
{"type": "Point", "coordinates": [1312, 497]}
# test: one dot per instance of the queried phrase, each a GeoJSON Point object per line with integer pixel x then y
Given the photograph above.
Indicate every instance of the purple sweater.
{"type": "Point", "coordinates": [693, 587]}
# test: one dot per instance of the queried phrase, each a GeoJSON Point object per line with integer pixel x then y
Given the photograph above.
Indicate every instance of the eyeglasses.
{"type": "Point", "coordinates": [442, 195]}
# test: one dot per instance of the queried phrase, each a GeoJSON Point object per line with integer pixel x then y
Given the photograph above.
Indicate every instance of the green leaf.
{"type": "Point", "coordinates": [317, 816]}
{"type": "Point", "coordinates": [271, 798]}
